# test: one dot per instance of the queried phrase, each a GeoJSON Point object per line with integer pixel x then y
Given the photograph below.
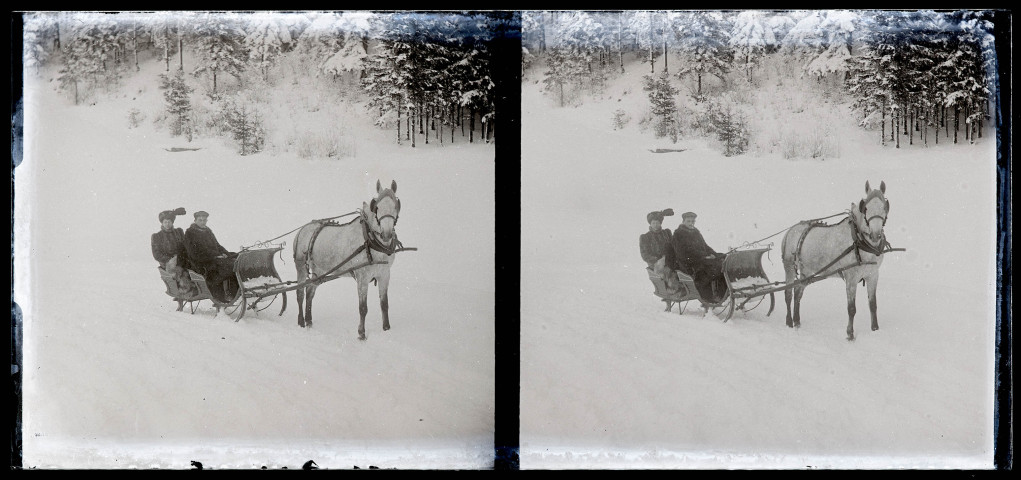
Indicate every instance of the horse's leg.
{"type": "Point", "coordinates": [798, 292]}
{"type": "Point", "coordinates": [852, 291]}
{"type": "Point", "coordinates": [871, 283]}
{"type": "Point", "coordinates": [300, 295]}
{"type": "Point", "coordinates": [788, 293]}
{"type": "Point", "coordinates": [363, 303]}
{"type": "Point", "coordinates": [310, 293]}
{"type": "Point", "coordinates": [383, 280]}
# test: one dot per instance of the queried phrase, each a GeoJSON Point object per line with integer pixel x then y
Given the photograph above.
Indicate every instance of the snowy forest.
{"type": "Point", "coordinates": [914, 77]}
{"type": "Point", "coordinates": [424, 76]}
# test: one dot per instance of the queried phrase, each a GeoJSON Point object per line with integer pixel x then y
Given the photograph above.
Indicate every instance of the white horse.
{"type": "Point", "coordinates": [362, 248]}
{"type": "Point", "coordinates": [852, 249]}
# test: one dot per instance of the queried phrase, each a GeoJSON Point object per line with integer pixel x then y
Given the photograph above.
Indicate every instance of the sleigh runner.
{"type": "Point", "coordinates": [746, 286]}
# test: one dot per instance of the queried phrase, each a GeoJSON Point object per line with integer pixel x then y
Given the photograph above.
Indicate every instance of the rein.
{"type": "Point", "coordinates": [268, 242]}
{"type": "Point", "coordinates": [814, 221]}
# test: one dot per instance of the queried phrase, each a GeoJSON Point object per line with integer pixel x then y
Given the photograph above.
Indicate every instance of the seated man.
{"type": "Point", "coordinates": [656, 250]}
{"type": "Point", "coordinates": [168, 249]}
{"type": "Point", "coordinates": [695, 258]}
{"type": "Point", "coordinates": [210, 259]}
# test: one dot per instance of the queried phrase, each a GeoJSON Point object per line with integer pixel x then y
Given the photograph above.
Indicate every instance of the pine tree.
{"type": "Point", "coordinates": [751, 39]}
{"type": "Point", "coordinates": [664, 106]}
{"type": "Point", "coordinates": [267, 37]}
{"type": "Point", "coordinates": [40, 38]}
{"type": "Point", "coordinates": [176, 94]}
{"type": "Point", "coordinates": [245, 125]}
{"type": "Point", "coordinates": [220, 47]}
{"type": "Point", "coordinates": [703, 39]}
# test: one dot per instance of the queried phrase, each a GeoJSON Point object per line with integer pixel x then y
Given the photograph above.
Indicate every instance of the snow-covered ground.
{"type": "Point", "coordinates": [610, 380]}
{"type": "Point", "coordinates": [115, 378]}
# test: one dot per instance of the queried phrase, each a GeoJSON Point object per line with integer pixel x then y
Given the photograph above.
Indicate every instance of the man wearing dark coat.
{"type": "Point", "coordinates": [211, 259]}
{"type": "Point", "coordinates": [168, 249]}
{"type": "Point", "coordinates": [697, 259]}
{"type": "Point", "coordinates": [655, 248]}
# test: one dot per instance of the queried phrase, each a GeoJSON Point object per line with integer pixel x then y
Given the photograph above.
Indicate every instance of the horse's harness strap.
{"type": "Point", "coordinates": [801, 240]}
{"type": "Point", "coordinates": [308, 251]}
{"type": "Point", "coordinates": [373, 243]}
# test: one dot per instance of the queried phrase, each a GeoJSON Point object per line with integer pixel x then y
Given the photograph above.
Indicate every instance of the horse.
{"type": "Point", "coordinates": [362, 248]}
{"type": "Point", "coordinates": [852, 249]}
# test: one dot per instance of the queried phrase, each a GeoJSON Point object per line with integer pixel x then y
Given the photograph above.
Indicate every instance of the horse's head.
{"type": "Point", "coordinates": [872, 213]}
{"type": "Point", "coordinates": [385, 208]}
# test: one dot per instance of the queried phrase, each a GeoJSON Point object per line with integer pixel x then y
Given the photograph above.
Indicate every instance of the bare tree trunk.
{"type": "Point", "coordinates": [666, 67]}
{"type": "Point", "coordinates": [620, 44]}
{"type": "Point", "coordinates": [652, 61]}
{"type": "Point", "coordinates": [398, 123]}
{"type": "Point", "coordinates": [967, 121]}
{"type": "Point", "coordinates": [180, 55]}
{"type": "Point", "coordinates": [899, 116]}
{"type": "Point", "coordinates": [166, 48]}
{"type": "Point", "coordinates": [882, 126]}
{"type": "Point", "coordinates": [134, 44]}
{"type": "Point", "coordinates": [893, 124]}
{"type": "Point", "coordinates": [471, 124]}
{"type": "Point", "coordinates": [542, 31]}
{"type": "Point", "coordinates": [911, 134]}
{"type": "Point", "coordinates": [957, 123]}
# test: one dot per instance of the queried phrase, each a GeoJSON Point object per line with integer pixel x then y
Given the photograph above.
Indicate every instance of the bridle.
{"type": "Point", "coordinates": [374, 206]}
{"type": "Point", "coordinates": [863, 208]}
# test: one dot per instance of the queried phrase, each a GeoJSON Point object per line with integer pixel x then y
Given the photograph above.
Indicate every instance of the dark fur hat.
{"type": "Point", "coordinates": [659, 215]}
{"type": "Point", "coordinates": [171, 214]}
{"type": "Point", "coordinates": [687, 215]}
{"type": "Point", "coordinates": [201, 213]}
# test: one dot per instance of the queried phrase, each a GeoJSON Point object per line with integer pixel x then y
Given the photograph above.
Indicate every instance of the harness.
{"type": "Point", "coordinates": [371, 243]}
{"type": "Point", "coordinates": [858, 244]}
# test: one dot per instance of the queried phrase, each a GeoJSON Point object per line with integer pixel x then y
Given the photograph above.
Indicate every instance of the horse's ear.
{"type": "Point", "coordinates": [393, 186]}
{"type": "Point", "coordinates": [372, 205]}
{"type": "Point", "coordinates": [887, 206]}
{"type": "Point", "coordinates": [861, 206]}
{"type": "Point", "coordinates": [398, 204]}
{"type": "Point", "coordinates": [882, 186]}
{"type": "Point", "coordinates": [867, 189]}
{"type": "Point", "coordinates": [379, 186]}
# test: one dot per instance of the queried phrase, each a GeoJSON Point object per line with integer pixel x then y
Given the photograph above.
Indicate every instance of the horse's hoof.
{"type": "Point", "coordinates": [361, 337]}
{"type": "Point", "coordinates": [386, 327]}
{"type": "Point", "coordinates": [850, 337]}
{"type": "Point", "coordinates": [875, 327]}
